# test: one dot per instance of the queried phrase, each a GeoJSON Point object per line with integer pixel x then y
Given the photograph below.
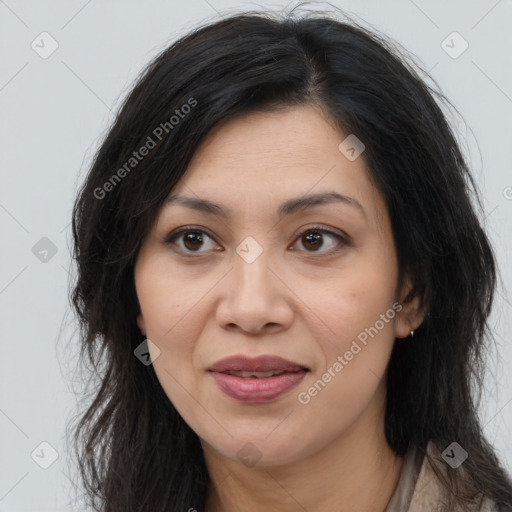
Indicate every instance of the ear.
{"type": "Point", "coordinates": [141, 324]}
{"type": "Point", "coordinates": [411, 316]}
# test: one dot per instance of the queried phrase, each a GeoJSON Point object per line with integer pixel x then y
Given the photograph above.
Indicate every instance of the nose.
{"type": "Point", "coordinates": [255, 298]}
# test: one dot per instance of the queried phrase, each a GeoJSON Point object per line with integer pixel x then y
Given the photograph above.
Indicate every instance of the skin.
{"type": "Point", "coordinates": [200, 305]}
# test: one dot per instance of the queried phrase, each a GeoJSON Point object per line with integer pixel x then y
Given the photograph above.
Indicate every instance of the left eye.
{"type": "Point", "coordinates": [312, 238]}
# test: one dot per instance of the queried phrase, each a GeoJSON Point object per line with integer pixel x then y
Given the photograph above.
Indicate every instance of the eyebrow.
{"type": "Point", "coordinates": [289, 207]}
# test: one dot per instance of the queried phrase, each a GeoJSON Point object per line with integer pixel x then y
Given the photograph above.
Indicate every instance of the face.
{"type": "Point", "coordinates": [314, 284]}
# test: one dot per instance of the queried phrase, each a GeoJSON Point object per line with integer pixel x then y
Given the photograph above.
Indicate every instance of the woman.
{"type": "Point", "coordinates": [283, 273]}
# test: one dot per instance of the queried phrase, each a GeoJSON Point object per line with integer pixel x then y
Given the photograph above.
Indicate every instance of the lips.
{"type": "Point", "coordinates": [256, 380]}
{"type": "Point", "coordinates": [257, 375]}
{"type": "Point", "coordinates": [261, 364]}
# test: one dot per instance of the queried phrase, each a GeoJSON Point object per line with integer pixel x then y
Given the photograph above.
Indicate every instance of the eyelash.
{"type": "Point", "coordinates": [344, 241]}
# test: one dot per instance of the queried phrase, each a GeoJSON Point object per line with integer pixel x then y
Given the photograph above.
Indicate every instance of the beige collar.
{"type": "Point", "coordinates": [419, 489]}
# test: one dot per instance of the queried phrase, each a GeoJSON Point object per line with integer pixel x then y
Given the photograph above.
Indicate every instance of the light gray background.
{"type": "Point", "coordinates": [53, 112]}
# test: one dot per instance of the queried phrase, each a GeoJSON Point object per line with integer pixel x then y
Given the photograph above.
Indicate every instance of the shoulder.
{"type": "Point", "coordinates": [429, 492]}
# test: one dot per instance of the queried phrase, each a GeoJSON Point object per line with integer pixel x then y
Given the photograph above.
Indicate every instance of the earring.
{"type": "Point", "coordinates": [412, 333]}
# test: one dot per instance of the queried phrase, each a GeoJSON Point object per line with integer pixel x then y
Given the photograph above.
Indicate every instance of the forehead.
{"type": "Point", "coordinates": [296, 135]}
{"type": "Point", "coordinates": [260, 159]}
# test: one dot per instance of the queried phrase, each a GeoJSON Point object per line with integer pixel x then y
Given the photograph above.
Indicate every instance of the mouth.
{"type": "Point", "coordinates": [256, 380]}
{"type": "Point", "coordinates": [257, 375]}
{"type": "Point", "coordinates": [257, 366]}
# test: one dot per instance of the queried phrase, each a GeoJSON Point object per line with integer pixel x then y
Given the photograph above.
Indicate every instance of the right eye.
{"type": "Point", "coordinates": [191, 239]}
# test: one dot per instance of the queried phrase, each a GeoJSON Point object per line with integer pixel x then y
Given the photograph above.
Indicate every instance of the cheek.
{"type": "Point", "coordinates": [355, 358]}
{"type": "Point", "coordinates": [171, 326]}
{"type": "Point", "coordinates": [175, 309]}
{"type": "Point", "coordinates": [171, 301]}
{"type": "Point", "coordinates": [354, 299]}
{"type": "Point", "coordinates": [357, 332]}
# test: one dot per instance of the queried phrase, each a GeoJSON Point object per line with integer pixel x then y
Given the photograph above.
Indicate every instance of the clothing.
{"type": "Point", "coordinates": [419, 489]}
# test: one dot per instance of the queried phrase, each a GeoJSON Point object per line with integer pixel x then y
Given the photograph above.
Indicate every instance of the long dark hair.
{"type": "Point", "coordinates": [134, 450]}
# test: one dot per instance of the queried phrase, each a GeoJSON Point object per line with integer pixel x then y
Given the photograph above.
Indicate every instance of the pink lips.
{"type": "Point", "coordinates": [256, 389]}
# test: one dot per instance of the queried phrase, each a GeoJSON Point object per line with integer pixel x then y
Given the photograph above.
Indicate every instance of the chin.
{"type": "Point", "coordinates": [255, 450]}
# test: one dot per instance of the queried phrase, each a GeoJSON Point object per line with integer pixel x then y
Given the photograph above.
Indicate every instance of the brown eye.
{"type": "Point", "coordinates": [313, 239]}
{"type": "Point", "coordinates": [191, 240]}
